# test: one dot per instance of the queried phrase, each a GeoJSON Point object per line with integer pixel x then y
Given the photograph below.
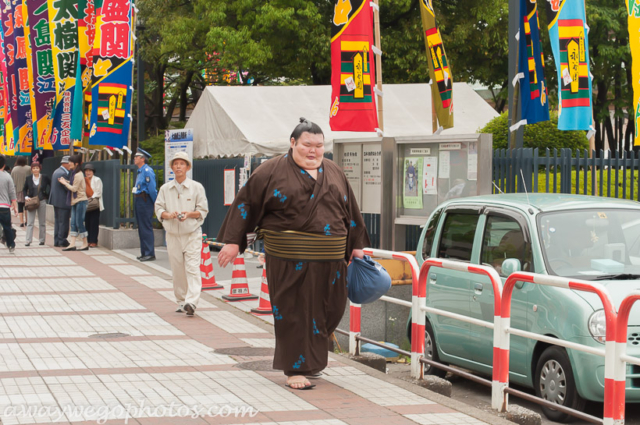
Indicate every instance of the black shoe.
{"type": "Point", "coordinates": [86, 248]}
{"type": "Point", "coordinates": [41, 243]}
{"type": "Point", "coordinates": [22, 224]}
{"type": "Point", "coordinates": [148, 258]}
{"type": "Point", "coordinates": [64, 244]}
{"type": "Point", "coordinates": [70, 248]}
{"type": "Point", "coordinates": [190, 309]}
{"type": "Point", "coordinates": [139, 257]}
{"type": "Point", "coordinates": [27, 244]}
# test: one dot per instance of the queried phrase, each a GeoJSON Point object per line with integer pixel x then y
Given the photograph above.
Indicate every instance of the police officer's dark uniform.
{"type": "Point", "coordinates": [145, 194]}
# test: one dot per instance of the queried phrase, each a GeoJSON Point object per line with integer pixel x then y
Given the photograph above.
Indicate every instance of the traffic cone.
{"type": "Point", "coordinates": [239, 283]}
{"type": "Point", "coordinates": [264, 308]}
{"type": "Point", "coordinates": [206, 268]}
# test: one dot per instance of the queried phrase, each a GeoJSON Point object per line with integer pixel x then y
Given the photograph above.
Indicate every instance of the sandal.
{"type": "Point", "coordinates": [307, 385]}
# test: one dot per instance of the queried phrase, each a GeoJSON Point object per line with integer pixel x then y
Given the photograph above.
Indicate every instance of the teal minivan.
{"type": "Point", "coordinates": [581, 237]}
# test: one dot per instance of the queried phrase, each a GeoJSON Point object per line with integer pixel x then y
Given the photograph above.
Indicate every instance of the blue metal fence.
{"type": "Point", "coordinates": [605, 173]}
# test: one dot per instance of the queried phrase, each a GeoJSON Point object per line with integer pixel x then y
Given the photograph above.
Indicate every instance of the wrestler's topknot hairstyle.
{"type": "Point", "coordinates": [305, 126]}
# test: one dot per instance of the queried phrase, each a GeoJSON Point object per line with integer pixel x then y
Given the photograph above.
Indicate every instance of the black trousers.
{"type": "Point", "coordinates": [61, 226]}
{"type": "Point", "coordinates": [144, 213]}
{"type": "Point", "coordinates": [5, 222]}
{"type": "Point", "coordinates": [92, 223]}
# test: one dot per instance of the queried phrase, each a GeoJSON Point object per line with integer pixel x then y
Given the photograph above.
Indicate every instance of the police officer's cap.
{"type": "Point", "coordinates": [143, 153]}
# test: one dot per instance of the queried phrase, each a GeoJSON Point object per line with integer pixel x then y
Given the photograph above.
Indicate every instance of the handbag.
{"type": "Point", "coordinates": [366, 280]}
{"type": "Point", "coordinates": [94, 204]}
{"type": "Point", "coordinates": [33, 204]}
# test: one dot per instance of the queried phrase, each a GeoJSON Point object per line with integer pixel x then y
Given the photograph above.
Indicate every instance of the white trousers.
{"type": "Point", "coordinates": [184, 256]}
{"type": "Point", "coordinates": [42, 221]}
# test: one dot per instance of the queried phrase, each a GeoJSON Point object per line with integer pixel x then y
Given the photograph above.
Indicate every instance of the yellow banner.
{"type": "Point", "coordinates": [633, 9]}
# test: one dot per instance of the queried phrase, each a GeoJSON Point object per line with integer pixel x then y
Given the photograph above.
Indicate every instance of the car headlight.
{"type": "Point", "coordinates": [598, 326]}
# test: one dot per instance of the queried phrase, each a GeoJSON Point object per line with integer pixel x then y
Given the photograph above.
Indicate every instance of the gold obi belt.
{"type": "Point", "coordinates": [292, 245]}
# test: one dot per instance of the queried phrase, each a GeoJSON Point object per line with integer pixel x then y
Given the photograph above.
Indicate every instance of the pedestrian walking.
{"type": "Point", "coordinates": [78, 200]}
{"type": "Point", "coordinates": [36, 192]}
{"type": "Point", "coordinates": [19, 174]}
{"type": "Point", "coordinates": [182, 207]}
{"type": "Point", "coordinates": [95, 205]}
{"type": "Point", "coordinates": [61, 209]}
{"type": "Point", "coordinates": [307, 214]}
{"type": "Point", "coordinates": [145, 194]}
{"type": "Point", "coordinates": [8, 202]}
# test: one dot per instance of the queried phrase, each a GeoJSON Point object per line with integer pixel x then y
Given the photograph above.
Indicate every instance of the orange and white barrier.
{"type": "Point", "coordinates": [239, 283]}
{"type": "Point", "coordinates": [264, 306]}
{"type": "Point", "coordinates": [206, 270]}
{"type": "Point", "coordinates": [620, 367]}
{"type": "Point", "coordinates": [614, 353]}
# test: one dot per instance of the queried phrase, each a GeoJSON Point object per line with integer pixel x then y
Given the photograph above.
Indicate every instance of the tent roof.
{"type": "Point", "coordinates": [231, 121]}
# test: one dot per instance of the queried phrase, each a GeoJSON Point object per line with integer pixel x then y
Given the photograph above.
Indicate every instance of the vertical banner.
{"type": "Point", "coordinates": [86, 37]}
{"type": "Point", "coordinates": [63, 24]}
{"type": "Point", "coordinates": [570, 45]}
{"type": "Point", "coordinates": [111, 87]}
{"type": "Point", "coordinates": [18, 76]}
{"type": "Point", "coordinates": [439, 70]}
{"type": "Point", "coordinates": [353, 106]}
{"type": "Point", "coordinates": [533, 86]}
{"type": "Point", "coordinates": [44, 86]}
{"type": "Point", "coordinates": [633, 9]}
{"type": "Point", "coordinates": [7, 125]}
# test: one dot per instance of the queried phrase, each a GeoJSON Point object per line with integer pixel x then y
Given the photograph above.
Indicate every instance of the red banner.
{"type": "Point", "coordinates": [353, 106]}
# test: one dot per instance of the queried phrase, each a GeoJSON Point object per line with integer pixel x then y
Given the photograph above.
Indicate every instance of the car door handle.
{"type": "Point", "coordinates": [478, 287]}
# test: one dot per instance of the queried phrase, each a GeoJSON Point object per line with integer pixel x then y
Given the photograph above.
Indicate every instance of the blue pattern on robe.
{"type": "Point", "coordinates": [315, 328]}
{"type": "Point", "coordinates": [297, 364]}
{"type": "Point", "coordinates": [279, 195]}
{"type": "Point", "coordinates": [243, 212]}
{"type": "Point", "coordinates": [327, 230]}
{"type": "Point", "coordinates": [276, 313]}
{"type": "Point", "coordinates": [299, 266]}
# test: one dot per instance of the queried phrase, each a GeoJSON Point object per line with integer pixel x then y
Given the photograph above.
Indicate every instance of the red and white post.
{"type": "Point", "coordinates": [355, 320]}
{"type": "Point", "coordinates": [620, 369]}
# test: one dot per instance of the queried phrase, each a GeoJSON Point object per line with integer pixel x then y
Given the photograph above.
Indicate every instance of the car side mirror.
{"type": "Point", "coordinates": [511, 265]}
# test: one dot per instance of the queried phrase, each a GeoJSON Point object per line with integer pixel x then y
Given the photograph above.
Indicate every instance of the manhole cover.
{"type": "Point", "coordinates": [109, 335]}
{"type": "Point", "coordinates": [261, 366]}
{"type": "Point", "coordinates": [246, 351]}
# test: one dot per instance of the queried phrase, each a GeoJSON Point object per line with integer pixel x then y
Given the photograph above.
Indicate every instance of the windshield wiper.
{"type": "Point", "coordinates": [620, 276]}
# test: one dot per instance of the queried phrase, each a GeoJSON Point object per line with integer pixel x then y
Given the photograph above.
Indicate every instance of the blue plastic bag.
{"type": "Point", "coordinates": [366, 280]}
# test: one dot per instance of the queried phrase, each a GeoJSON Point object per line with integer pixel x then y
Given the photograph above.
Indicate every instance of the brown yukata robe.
{"type": "Point", "coordinates": [308, 298]}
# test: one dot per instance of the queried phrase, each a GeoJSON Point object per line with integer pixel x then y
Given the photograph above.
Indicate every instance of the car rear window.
{"type": "Point", "coordinates": [430, 234]}
{"type": "Point", "coordinates": [458, 232]}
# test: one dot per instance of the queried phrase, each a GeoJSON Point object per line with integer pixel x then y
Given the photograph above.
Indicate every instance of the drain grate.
{"type": "Point", "coordinates": [259, 366]}
{"type": "Point", "coordinates": [109, 335]}
{"type": "Point", "coordinates": [246, 351]}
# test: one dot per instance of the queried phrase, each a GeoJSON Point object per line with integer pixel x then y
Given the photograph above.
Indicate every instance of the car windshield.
{"type": "Point", "coordinates": [591, 244]}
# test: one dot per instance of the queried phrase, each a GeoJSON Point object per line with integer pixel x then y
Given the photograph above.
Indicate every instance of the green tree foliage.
{"type": "Point", "coordinates": [542, 135]}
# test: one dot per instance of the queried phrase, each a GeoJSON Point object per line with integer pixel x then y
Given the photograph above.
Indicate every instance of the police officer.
{"type": "Point", "coordinates": [145, 194]}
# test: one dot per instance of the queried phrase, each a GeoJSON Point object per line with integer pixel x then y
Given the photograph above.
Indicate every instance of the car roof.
{"type": "Point", "coordinates": [545, 202]}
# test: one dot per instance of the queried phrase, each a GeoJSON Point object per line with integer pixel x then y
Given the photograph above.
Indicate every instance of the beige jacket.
{"type": "Point", "coordinates": [78, 189]}
{"type": "Point", "coordinates": [192, 198]}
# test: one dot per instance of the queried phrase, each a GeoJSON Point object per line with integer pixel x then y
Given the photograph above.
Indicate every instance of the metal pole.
{"type": "Point", "coordinates": [376, 25]}
{"type": "Point", "coordinates": [514, 108]}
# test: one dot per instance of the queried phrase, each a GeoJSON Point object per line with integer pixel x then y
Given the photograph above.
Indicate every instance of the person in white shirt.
{"type": "Point", "coordinates": [95, 205]}
{"type": "Point", "coordinates": [182, 206]}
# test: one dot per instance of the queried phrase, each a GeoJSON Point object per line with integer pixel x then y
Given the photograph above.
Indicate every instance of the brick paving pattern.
{"type": "Point", "coordinates": [87, 336]}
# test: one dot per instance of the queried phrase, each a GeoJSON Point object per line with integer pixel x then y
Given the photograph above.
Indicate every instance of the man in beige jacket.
{"type": "Point", "coordinates": [182, 206]}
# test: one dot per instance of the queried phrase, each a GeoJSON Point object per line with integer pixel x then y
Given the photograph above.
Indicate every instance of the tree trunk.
{"type": "Point", "coordinates": [184, 98]}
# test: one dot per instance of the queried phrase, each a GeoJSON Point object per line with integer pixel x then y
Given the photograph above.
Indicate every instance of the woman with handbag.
{"type": "Point", "coordinates": [36, 192]}
{"type": "Point", "coordinates": [95, 205]}
{"type": "Point", "coordinates": [77, 192]}
{"type": "Point", "coordinates": [19, 174]}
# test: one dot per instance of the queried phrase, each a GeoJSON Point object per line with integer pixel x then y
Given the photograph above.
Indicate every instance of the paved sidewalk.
{"type": "Point", "coordinates": [88, 336]}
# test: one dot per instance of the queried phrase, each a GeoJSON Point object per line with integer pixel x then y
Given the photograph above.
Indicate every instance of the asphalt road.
{"type": "Point", "coordinates": [479, 396]}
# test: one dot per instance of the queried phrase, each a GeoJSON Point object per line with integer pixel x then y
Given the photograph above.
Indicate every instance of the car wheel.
{"type": "Point", "coordinates": [431, 352]}
{"type": "Point", "coordinates": [554, 382]}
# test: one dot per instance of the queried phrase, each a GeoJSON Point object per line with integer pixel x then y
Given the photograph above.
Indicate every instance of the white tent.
{"type": "Point", "coordinates": [231, 121]}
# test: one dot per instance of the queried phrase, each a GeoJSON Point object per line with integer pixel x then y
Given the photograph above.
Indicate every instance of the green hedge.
{"type": "Point", "coordinates": [541, 135]}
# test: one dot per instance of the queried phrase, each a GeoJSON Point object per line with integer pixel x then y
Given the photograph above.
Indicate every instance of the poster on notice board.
{"type": "Point", "coordinates": [177, 141]}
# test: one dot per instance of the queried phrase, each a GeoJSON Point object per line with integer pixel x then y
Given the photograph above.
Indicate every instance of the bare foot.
{"type": "Point", "coordinates": [298, 382]}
